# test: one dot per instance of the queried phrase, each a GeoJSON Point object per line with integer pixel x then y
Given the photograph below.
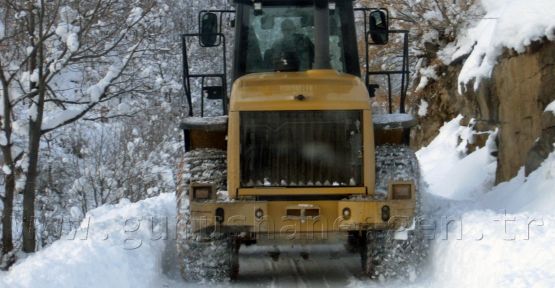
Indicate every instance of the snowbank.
{"type": "Point", "coordinates": [499, 237]}
{"type": "Point", "coordinates": [512, 24]}
{"type": "Point", "coordinates": [122, 248]}
{"type": "Point", "coordinates": [447, 169]}
{"type": "Point", "coordinates": [495, 250]}
{"type": "Point", "coordinates": [451, 174]}
{"type": "Point", "coordinates": [523, 194]}
{"type": "Point", "coordinates": [503, 238]}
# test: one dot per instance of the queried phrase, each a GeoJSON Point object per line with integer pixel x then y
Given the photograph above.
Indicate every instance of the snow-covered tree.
{"type": "Point", "coordinates": [62, 61]}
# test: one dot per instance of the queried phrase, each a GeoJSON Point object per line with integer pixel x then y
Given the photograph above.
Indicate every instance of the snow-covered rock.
{"type": "Point", "coordinates": [426, 74]}
{"type": "Point", "coordinates": [511, 24]}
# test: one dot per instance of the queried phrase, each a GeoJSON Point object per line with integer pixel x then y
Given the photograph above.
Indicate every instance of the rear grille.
{"type": "Point", "coordinates": [301, 149]}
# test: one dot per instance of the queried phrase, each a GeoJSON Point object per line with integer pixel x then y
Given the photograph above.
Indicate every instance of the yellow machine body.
{"type": "Point", "coordinates": [318, 211]}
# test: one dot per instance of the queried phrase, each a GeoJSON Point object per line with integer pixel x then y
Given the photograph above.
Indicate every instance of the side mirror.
{"type": "Point", "coordinates": [209, 30]}
{"type": "Point", "coordinates": [379, 31]}
{"type": "Point", "coordinates": [267, 22]}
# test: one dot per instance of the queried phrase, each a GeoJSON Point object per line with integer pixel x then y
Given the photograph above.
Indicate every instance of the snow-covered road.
{"type": "Point", "coordinates": [326, 266]}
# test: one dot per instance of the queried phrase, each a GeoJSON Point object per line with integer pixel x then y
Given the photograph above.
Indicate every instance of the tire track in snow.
{"type": "Point", "coordinates": [327, 266]}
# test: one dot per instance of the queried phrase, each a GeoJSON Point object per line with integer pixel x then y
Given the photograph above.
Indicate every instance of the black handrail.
{"type": "Point", "coordinates": [405, 69]}
{"type": "Point", "coordinates": [187, 76]}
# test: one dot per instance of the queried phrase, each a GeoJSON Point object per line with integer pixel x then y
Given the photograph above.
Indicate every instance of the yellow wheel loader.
{"type": "Point", "coordinates": [296, 155]}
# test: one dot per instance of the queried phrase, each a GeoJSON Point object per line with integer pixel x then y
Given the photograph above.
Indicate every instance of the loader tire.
{"type": "Point", "coordinates": [203, 255]}
{"type": "Point", "coordinates": [211, 256]}
{"type": "Point", "coordinates": [382, 256]}
{"type": "Point", "coordinates": [395, 162]}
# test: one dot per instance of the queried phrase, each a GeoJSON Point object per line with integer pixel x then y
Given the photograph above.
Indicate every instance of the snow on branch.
{"type": "Point", "coordinates": [96, 93]}
{"type": "Point", "coordinates": [55, 119]}
{"type": "Point", "coordinates": [97, 90]}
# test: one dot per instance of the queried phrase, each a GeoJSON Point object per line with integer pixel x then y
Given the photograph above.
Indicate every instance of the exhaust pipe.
{"type": "Point", "coordinates": [322, 37]}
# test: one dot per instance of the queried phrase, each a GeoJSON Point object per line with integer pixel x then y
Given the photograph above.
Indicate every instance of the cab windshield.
{"type": "Point", "coordinates": [281, 38]}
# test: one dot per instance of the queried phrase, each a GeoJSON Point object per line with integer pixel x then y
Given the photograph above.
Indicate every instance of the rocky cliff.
{"type": "Point", "coordinates": [512, 101]}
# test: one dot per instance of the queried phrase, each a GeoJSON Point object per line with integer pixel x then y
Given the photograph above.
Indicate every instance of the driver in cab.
{"type": "Point", "coordinates": [292, 52]}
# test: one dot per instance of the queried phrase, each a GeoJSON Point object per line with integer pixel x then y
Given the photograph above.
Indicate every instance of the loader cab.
{"type": "Point", "coordinates": [280, 36]}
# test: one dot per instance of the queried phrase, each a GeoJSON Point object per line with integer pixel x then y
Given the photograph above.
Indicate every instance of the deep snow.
{"type": "Point", "coordinates": [505, 232]}
{"type": "Point", "coordinates": [447, 169]}
{"type": "Point", "coordinates": [120, 248]}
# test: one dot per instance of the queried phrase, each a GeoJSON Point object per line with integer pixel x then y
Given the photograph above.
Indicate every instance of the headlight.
{"type": "Point", "coordinates": [401, 192]}
{"type": "Point", "coordinates": [259, 213]}
{"type": "Point", "coordinates": [202, 192]}
{"type": "Point", "coordinates": [346, 213]}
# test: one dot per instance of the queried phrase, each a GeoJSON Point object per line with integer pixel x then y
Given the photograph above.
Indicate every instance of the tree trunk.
{"type": "Point", "coordinates": [9, 184]}
{"type": "Point", "coordinates": [29, 190]}
{"type": "Point", "coordinates": [30, 183]}
{"type": "Point", "coordinates": [9, 181]}
{"type": "Point", "coordinates": [35, 134]}
{"type": "Point", "coordinates": [7, 214]}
